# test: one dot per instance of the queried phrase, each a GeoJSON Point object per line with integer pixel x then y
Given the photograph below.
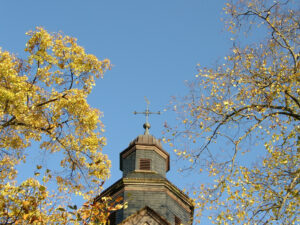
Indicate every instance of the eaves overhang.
{"type": "Point", "coordinates": [122, 184]}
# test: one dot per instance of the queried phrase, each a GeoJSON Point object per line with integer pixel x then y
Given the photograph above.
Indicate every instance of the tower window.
{"type": "Point", "coordinates": [177, 221]}
{"type": "Point", "coordinates": [145, 164]}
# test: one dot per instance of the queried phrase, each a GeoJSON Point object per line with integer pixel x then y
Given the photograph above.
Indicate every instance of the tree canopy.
{"type": "Point", "coordinates": [239, 123]}
{"type": "Point", "coordinates": [43, 99]}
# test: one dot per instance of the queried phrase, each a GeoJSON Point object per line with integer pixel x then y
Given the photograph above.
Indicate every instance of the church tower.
{"type": "Point", "coordinates": [151, 198]}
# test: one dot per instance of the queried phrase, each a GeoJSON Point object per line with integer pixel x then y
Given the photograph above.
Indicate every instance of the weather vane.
{"type": "Point", "coordinates": [147, 113]}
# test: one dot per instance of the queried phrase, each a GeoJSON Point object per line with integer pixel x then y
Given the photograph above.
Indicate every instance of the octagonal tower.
{"type": "Point", "coordinates": [151, 198]}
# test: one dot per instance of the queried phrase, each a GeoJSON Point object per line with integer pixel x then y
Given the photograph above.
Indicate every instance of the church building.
{"type": "Point", "coordinates": [152, 199]}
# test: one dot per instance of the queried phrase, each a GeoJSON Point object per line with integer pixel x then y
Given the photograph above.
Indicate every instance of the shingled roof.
{"type": "Point", "coordinates": [146, 139]}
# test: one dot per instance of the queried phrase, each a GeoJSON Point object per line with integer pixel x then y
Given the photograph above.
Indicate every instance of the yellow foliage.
{"type": "Point", "coordinates": [43, 99]}
{"type": "Point", "coordinates": [248, 106]}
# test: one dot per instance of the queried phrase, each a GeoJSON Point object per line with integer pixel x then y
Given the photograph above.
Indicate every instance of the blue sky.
{"type": "Point", "coordinates": [154, 47]}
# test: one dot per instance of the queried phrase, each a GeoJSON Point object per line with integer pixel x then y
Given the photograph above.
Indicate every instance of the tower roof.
{"type": "Point", "coordinates": [146, 139]}
{"type": "Point", "coordinates": [146, 142]}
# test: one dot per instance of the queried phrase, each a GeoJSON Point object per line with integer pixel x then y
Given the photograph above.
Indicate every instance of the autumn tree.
{"type": "Point", "coordinates": [239, 123]}
{"type": "Point", "coordinates": [43, 99]}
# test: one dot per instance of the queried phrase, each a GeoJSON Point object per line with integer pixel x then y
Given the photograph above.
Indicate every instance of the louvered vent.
{"type": "Point", "coordinates": [145, 164]}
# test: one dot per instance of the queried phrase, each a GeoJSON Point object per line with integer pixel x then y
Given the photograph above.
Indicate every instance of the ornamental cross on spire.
{"type": "Point", "coordinates": [147, 113]}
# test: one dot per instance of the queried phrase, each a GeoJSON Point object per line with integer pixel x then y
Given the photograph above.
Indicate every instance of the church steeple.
{"type": "Point", "coordinates": [150, 197]}
{"type": "Point", "coordinates": [145, 154]}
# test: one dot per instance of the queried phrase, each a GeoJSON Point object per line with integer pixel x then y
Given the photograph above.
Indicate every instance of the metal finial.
{"type": "Point", "coordinates": [147, 113]}
{"type": "Point", "coordinates": [146, 127]}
